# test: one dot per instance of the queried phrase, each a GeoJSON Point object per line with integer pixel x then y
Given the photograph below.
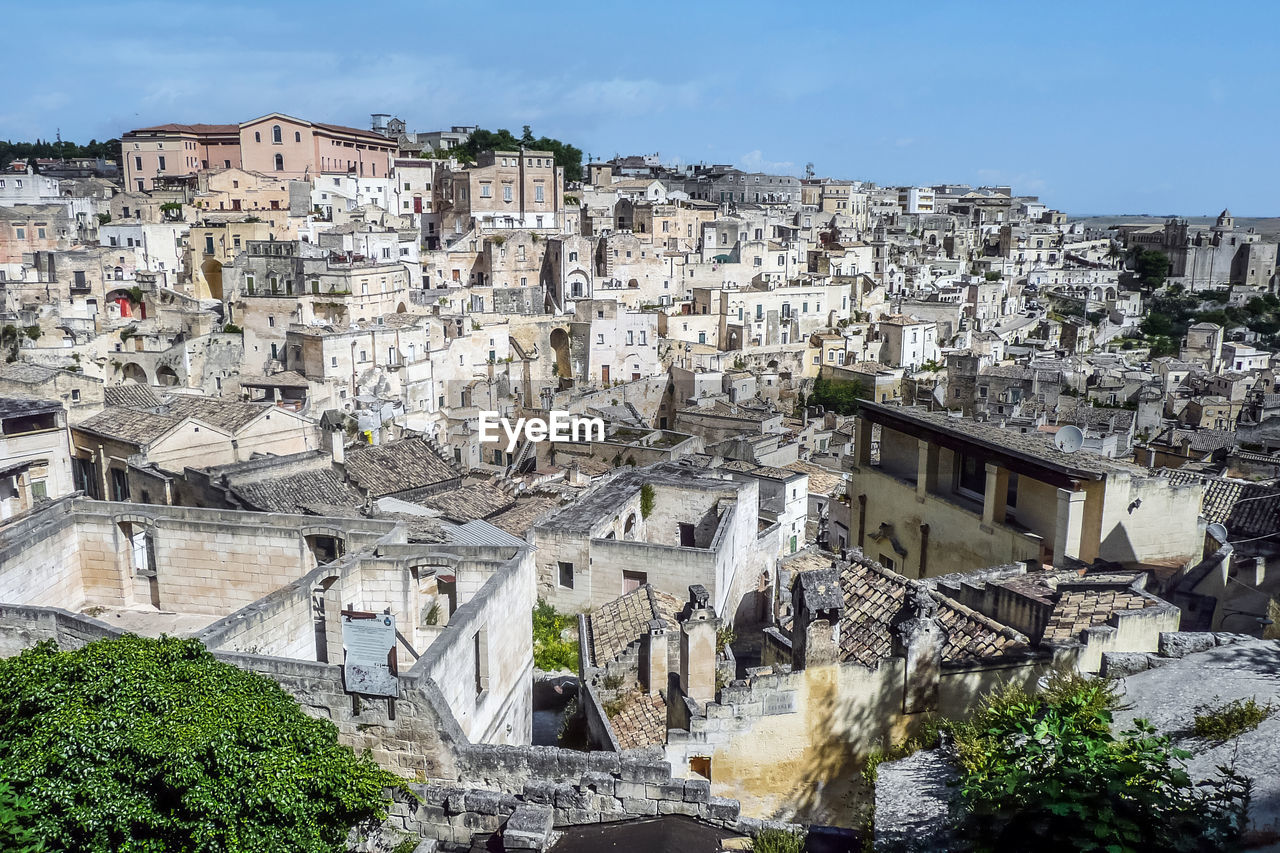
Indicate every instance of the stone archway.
{"type": "Point", "coordinates": [135, 373]}
{"type": "Point", "coordinates": [166, 376]}
{"type": "Point", "coordinates": [560, 346]}
{"type": "Point", "coordinates": [209, 282]}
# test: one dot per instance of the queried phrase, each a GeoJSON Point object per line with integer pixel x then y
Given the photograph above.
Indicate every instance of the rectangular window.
{"type": "Point", "coordinates": [486, 191]}
{"type": "Point", "coordinates": [506, 193]}
{"type": "Point", "coordinates": [537, 193]}
{"type": "Point", "coordinates": [632, 581]}
{"type": "Point", "coordinates": [161, 160]}
{"type": "Point", "coordinates": [481, 660]}
{"type": "Point", "coordinates": [566, 574]}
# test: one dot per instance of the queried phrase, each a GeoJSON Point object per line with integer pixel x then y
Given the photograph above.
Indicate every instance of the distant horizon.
{"type": "Point", "coordinates": [1079, 105]}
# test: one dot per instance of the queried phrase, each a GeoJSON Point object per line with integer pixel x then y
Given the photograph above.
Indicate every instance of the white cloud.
{"type": "Point", "coordinates": [754, 161]}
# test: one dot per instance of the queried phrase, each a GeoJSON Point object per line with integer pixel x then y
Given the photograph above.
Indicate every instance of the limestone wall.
{"type": "Point", "coordinates": [40, 561]}
{"type": "Point", "coordinates": [790, 745]}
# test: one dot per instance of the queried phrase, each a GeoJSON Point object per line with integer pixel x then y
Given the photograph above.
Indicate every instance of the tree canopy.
{"type": "Point", "coordinates": [566, 155]}
{"type": "Point", "coordinates": [1151, 266]}
{"type": "Point", "coordinates": [837, 395]}
{"type": "Point", "coordinates": [154, 746]}
{"type": "Point", "coordinates": [9, 150]}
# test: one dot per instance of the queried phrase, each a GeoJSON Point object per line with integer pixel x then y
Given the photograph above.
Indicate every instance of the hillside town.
{"type": "Point", "coordinates": [866, 454]}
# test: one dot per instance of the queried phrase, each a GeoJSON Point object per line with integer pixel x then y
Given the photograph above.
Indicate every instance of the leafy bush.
{"type": "Point", "coordinates": [134, 744]}
{"type": "Point", "coordinates": [776, 841]}
{"type": "Point", "coordinates": [16, 818]}
{"type": "Point", "coordinates": [232, 329]}
{"type": "Point", "coordinates": [1046, 773]}
{"type": "Point", "coordinates": [1232, 719]}
{"type": "Point", "coordinates": [550, 651]}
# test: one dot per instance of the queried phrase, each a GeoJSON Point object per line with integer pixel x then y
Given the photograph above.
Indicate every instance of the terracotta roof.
{"type": "Point", "coordinates": [399, 466]}
{"type": "Point", "coordinates": [617, 624]}
{"type": "Point", "coordinates": [642, 721]}
{"type": "Point", "coordinates": [873, 598]}
{"type": "Point", "coordinates": [190, 128]}
{"type": "Point", "coordinates": [1078, 609]}
{"type": "Point", "coordinates": [822, 481]}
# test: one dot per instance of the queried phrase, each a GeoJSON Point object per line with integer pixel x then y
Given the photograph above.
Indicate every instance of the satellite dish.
{"type": "Point", "coordinates": [1069, 439]}
{"type": "Point", "coordinates": [1218, 532]}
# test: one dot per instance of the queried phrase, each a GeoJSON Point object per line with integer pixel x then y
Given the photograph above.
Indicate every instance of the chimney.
{"type": "Point", "coordinates": [653, 657]}
{"type": "Point", "coordinates": [698, 647]}
{"type": "Point", "coordinates": [817, 601]}
{"type": "Point", "coordinates": [337, 445]}
{"type": "Point", "coordinates": [918, 638]}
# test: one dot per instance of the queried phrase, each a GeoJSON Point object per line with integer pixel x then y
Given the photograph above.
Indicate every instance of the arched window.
{"type": "Point", "coordinates": [257, 137]}
{"type": "Point", "coordinates": [297, 136]}
{"type": "Point", "coordinates": [279, 162]}
{"type": "Point", "coordinates": [276, 137]}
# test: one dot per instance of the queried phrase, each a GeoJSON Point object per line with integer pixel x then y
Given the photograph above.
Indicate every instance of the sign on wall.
{"type": "Point", "coordinates": [369, 640]}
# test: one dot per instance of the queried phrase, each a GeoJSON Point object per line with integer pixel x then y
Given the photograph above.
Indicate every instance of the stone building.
{"type": "Point", "coordinates": [949, 494]}
{"type": "Point", "coordinates": [700, 528]}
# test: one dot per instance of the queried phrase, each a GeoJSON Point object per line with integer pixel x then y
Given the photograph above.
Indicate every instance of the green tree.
{"type": "Point", "coordinates": [1046, 773]}
{"type": "Point", "coordinates": [837, 395]}
{"type": "Point", "coordinates": [139, 745]}
{"type": "Point", "coordinates": [1151, 266]}
{"type": "Point", "coordinates": [566, 155]}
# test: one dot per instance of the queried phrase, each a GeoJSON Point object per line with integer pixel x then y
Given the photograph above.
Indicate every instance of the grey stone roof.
{"type": "Point", "coordinates": [1246, 509]}
{"type": "Point", "coordinates": [295, 492]}
{"type": "Point", "coordinates": [399, 466]}
{"type": "Point", "coordinates": [470, 501]}
{"type": "Point", "coordinates": [134, 396]}
{"type": "Point", "coordinates": [133, 426]}
{"type": "Point", "coordinates": [615, 625]}
{"type": "Point", "coordinates": [1036, 445]}
{"type": "Point", "coordinates": [17, 406]}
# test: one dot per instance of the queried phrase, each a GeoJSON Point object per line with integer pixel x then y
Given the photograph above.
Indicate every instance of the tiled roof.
{"type": "Point", "coordinates": [26, 373]}
{"type": "Point", "coordinates": [1202, 440]}
{"type": "Point", "coordinates": [230, 415]}
{"type": "Point", "coordinates": [519, 518]}
{"type": "Point", "coordinates": [287, 379]}
{"type": "Point", "coordinates": [617, 624]}
{"type": "Point", "coordinates": [1078, 609]}
{"type": "Point", "coordinates": [471, 501]}
{"type": "Point", "coordinates": [1246, 509]}
{"type": "Point", "coordinates": [873, 599]}
{"type": "Point", "coordinates": [1095, 417]}
{"type": "Point", "coordinates": [642, 721]}
{"type": "Point", "coordinates": [134, 396]}
{"type": "Point", "coordinates": [190, 128]}
{"type": "Point", "coordinates": [399, 466]}
{"type": "Point", "coordinates": [821, 480]}
{"type": "Point", "coordinates": [129, 425]}
{"type": "Point", "coordinates": [295, 492]}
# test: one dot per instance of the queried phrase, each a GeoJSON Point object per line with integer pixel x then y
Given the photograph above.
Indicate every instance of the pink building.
{"type": "Point", "coordinates": [274, 144]}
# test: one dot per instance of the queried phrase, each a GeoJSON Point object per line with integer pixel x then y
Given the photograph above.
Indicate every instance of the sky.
{"type": "Point", "coordinates": [1098, 108]}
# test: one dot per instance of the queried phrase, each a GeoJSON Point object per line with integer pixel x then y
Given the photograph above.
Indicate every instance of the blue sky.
{"type": "Point", "coordinates": [1111, 107]}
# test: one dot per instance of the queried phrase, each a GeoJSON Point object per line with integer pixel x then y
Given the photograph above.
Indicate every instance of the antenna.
{"type": "Point", "coordinates": [1069, 439]}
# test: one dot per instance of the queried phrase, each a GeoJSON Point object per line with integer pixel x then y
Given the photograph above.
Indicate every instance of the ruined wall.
{"type": "Point", "coordinates": [791, 745]}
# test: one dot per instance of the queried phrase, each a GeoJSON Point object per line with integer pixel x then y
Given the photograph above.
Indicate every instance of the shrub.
{"type": "Point", "coordinates": [1045, 772]}
{"type": "Point", "coordinates": [550, 651]}
{"type": "Point", "coordinates": [777, 841]}
{"type": "Point", "coordinates": [147, 745]}
{"type": "Point", "coordinates": [1232, 719]}
{"type": "Point", "coordinates": [646, 500]}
